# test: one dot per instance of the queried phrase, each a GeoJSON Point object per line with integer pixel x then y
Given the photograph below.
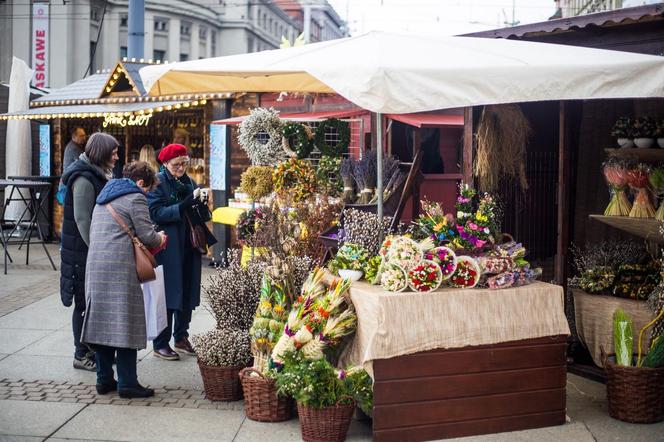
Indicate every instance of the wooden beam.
{"type": "Point", "coordinates": [563, 196]}
{"type": "Point", "coordinates": [467, 159]}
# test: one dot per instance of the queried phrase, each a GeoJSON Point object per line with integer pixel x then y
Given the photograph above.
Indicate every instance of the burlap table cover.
{"type": "Point", "coordinates": [394, 324]}
{"type": "Point", "coordinates": [593, 315]}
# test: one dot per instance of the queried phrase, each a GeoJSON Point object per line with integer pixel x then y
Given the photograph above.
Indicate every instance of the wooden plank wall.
{"type": "Point", "coordinates": [469, 391]}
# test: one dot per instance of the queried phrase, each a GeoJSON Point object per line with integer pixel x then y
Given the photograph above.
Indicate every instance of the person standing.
{"type": "Point", "coordinates": [75, 147]}
{"type": "Point", "coordinates": [114, 323]}
{"type": "Point", "coordinates": [147, 155]}
{"type": "Point", "coordinates": [170, 207]}
{"type": "Point", "coordinates": [84, 179]}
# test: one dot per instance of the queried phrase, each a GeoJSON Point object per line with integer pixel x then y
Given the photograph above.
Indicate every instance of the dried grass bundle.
{"type": "Point", "coordinates": [502, 136]}
{"type": "Point", "coordinates": [346, 172]}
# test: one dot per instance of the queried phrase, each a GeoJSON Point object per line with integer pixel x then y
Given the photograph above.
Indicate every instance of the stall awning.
{"type": "Point", "coordinates": [98, 110]}
{"type": "Point", "coordinates": [302, 117]}
{"type": "Point", "coordinates": [428, 120]}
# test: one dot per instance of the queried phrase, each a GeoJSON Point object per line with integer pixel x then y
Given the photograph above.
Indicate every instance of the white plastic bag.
{"type": "Point", "coordinates": [154, 298]}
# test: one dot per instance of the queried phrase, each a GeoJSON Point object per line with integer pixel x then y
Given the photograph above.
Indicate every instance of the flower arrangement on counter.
{"type": "Point", "coordinates": [445, 258]}
{"type": "Point", "coordinates": [393, 278]}
{"type": "Point", "coordinates": [434, 223]}
{"type": "Point", "coordinates": [467, 273]}
{"type": "Point", "coordinates": [404, 252]}
{"type": "Point", "coordinates": [349, 262]}
{"type": "Point", "coordinates": [425, 276]}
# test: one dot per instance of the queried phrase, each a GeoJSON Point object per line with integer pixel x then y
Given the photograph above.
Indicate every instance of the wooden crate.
{"type": "Point", "coordinates": [469, 391]}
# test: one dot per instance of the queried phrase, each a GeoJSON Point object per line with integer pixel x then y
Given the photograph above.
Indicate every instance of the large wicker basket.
{"type": "Point", "coordinates": [329, 424]}
{"type": "Point", "coordinates": [221, 383]}
{"type": "Point", "coordinates": [261, 401]}
{"type": "Point", "coordinates": [635, 394]}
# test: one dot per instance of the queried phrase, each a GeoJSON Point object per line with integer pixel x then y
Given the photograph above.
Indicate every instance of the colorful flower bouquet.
{"type": "Point", "coordinates": [350, 261]}
{"type": "Point", "coordinates": [425, 277]}
{"type": "Point", "coordinates": [467, 273]}
{"type": "Point", "coordinates": [318, 320]}
{"type": "Point", "coordinates": [616, 177]}
{"type": "Point", "coordinates": [638, 179]}
{"type": "Point", "coordinates": [435, 224]}
{"type": "Point", "coordinates": [404, 252]}
{"type": "Point", "coordinates": [445, 258]}
{"type": "Point", "coordinates": [393, 278]}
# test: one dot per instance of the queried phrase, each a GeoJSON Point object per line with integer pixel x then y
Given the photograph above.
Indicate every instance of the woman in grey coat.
{"type": "Point", "coordinates": [115, 315]}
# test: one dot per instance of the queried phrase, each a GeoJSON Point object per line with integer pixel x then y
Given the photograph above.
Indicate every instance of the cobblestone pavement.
{"type": "Point", "coordinates": [78, 392]}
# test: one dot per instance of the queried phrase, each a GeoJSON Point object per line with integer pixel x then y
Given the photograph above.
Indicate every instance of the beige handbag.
{"type": "Point", "coordinates": [145, 262]}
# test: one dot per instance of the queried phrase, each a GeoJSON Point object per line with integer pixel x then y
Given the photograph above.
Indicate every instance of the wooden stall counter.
{"type": "Point", "coordinates": [457, 362]}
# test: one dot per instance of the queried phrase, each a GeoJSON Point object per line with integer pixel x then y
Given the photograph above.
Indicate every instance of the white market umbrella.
{"type": "Point", "coordinates": [396, 73]}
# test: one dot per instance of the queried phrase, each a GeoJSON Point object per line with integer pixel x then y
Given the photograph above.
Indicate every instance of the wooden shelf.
{"type": "Point", "coordinates": [647, 228]}
{"type": "Point", "coordinates": [650, 155]}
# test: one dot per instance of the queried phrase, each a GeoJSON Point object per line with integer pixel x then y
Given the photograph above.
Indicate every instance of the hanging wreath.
{"type": "Point", "coordinates": [328, 174]}
{"type": "Point", "coordinates": [256, 182]}
{"type": "Point", "coordinates": [296, 177]}
{"type": "Point", "coordinates": [296, 139]}
{"type": "Point", "coordinates": [260, 137]}
{"type": "Point", "coordinates": [333, 126]}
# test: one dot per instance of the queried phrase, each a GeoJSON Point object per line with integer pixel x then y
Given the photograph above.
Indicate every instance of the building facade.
{"type": "Point", "coordinates": [83, 36]}
{"type": "Point", "coordinates": [323, 21]}
{"type": "Point", "coordinates": [573, 8]}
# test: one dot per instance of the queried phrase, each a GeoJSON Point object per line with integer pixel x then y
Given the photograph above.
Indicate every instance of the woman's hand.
{"type": "Point", "coordinates": [164, 239]}
{"type": "Point", "coordinates": [186, 203]}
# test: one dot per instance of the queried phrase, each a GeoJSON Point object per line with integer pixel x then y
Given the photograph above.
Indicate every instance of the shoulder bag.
{"type": "Point", "coordinates": [198, 239]}
{"type": "Point", "coordinates": [145, 262]}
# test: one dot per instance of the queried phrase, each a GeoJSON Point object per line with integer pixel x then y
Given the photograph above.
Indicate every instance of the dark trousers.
{"type": "Point", "coordinates": [125, 364]}
{"type": "Point", "coordinates": [77, 327]}
{"type": "Point", "coordinates": [181, 329]}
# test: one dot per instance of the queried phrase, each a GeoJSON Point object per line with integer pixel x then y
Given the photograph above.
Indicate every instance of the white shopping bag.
{"type": "Point", "coordinates": [154, 298]}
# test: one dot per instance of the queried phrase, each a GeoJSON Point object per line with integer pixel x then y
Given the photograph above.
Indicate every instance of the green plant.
{"type": "Point", "coordinates": [622, 128]}
{"type": "Point", "coordinates": [342, 128]}
{"type": "Point", "coordinates": [643, 127]}
{"type": "Point", "coordinates": [655, 357]}
{"type": "Point", "coordinates": [372, 268]}
{"type": "Point", "coordinates": [350, 257]}
{"type": "Point", "coordinates": [623, 337]}
{"type": "Point", "coordinates": [297, 139]}
{"type": "Point", "coordinates": [315, 383]}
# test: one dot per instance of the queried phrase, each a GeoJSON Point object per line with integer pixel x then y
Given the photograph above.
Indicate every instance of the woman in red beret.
{"type": "Point", "coordinates": [172, 208]}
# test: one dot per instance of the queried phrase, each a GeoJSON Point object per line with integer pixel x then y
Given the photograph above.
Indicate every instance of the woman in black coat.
{"type": "Point", "coordinates": [171, 209]}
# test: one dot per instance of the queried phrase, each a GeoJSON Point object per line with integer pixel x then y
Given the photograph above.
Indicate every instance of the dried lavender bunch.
{"type": "Point", "coordinates": [233, 293]}
{"type": "Point", "coordinates": [390, 167]}
{"type": "Point", "coordinates": [223, 347]}
{"type": "Point", "coordinates": [364, 229]}
{"type": "Point", "coordinates": [358, 175]}
{"type": "Point", "coordinates": [346, 172]}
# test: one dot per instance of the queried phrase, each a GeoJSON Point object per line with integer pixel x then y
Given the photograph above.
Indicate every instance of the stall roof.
{"type": "Point", "coordinates": [428, 120]}
{"type": "Point", "coordinates": [96, 110]}
{"type": "Point", "coordinates": [301, 117]}
{"type": "Point", "coordinates": [85, 89]}
{"type": "Point", "coordinates": [617, 17]}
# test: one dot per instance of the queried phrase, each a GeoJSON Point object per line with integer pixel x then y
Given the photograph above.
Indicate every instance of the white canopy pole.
{"type": "Point", "coordinates": [379, 165]}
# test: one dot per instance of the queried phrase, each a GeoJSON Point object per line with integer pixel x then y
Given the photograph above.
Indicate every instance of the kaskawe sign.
{"type": "Point", "coordinates": [40, 44]}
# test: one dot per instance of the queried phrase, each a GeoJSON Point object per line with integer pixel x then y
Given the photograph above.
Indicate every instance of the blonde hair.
{"type": "Point", "coordinates": [147, 155]}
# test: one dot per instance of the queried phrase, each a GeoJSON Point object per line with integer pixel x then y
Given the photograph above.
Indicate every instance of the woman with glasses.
{"type": "Point", "coordinates": [171, 206]}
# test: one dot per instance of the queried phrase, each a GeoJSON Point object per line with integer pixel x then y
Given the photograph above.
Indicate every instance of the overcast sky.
{"type": "Point", "coordinates": [448, 17]}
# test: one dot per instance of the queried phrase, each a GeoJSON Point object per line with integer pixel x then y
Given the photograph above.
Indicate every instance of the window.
{"type": "Point", "coordinates": [184, 57]}
{"type": "Point", "coordinates": [123, 21]}
{"type": "Point", "coordinates": [161, 24]}
{"type": "Point", "coordinates": [185, 28]}
{"type": "Point", "coordinates": [123, 51]}
{"type": "Point", "coordinates": [92, 56]}
{"type": "Point", "coordinates": [94, 14]}
{"type": "Point", "coordinates": [158, 55]}
{"type": "Point", "coordinates": [202, 33]}
{"type": "Point", "coordinates": [213, 47]}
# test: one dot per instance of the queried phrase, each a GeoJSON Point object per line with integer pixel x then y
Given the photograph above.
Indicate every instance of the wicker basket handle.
{"type": "Point", "coordinates": [248, 370]}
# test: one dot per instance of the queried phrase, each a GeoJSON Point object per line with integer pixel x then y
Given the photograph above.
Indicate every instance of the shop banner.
{"type": "Point", "coordinates": [44, 150]}
{"type": "Point", "coordinates": [40, 40]}
{"type": "Point", "coordinates": [218, 157]}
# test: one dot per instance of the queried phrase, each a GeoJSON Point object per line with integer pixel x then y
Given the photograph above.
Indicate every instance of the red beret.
{"type": "Point", "coordinates": [172, 151]}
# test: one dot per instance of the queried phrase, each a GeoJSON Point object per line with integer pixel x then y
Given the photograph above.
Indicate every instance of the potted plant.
{"type": "Point", "coordinates": [659, 133]}
{"type": "Point", "coordinates": [643, 130]}
{"type": "Point", "coordinates": [325, 397]}
{"type": "Point", "coordinates": [350, 261]}
{"type": "Point", "coordinates": [622, 130]}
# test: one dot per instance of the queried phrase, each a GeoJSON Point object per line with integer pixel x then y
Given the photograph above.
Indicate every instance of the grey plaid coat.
{"type": "Point", "coordinates": [115, 315]}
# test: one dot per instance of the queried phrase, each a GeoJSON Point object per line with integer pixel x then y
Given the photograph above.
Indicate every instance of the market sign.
{"type": "Point", "coordinates": [40, 37]}
{"type": "Point", "coordinates": [122, 121]}
{"type": "Point", "coordinates": [44, 150]}
{"type": "Point", "coordinates": [218, 153]}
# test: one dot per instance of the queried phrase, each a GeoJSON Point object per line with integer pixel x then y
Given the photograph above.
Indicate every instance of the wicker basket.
{"type": "Point", "coordinates": [329, 424]}
{"type": "Point", "coordinates": [634, 394]}
{"type": "Point", "coordinates": [221, 383]}
{"type": "Point", "coordinates": [261, 402]}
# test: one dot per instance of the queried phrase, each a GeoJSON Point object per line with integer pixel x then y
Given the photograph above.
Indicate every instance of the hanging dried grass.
{"type": "Point", "coordinates": [501, 146]}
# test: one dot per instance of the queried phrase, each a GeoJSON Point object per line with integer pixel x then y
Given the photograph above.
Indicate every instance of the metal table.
{"type": "Point", "coordinates": [33, 194]}
{"type": "Point", "coordinates": [54, 180]}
